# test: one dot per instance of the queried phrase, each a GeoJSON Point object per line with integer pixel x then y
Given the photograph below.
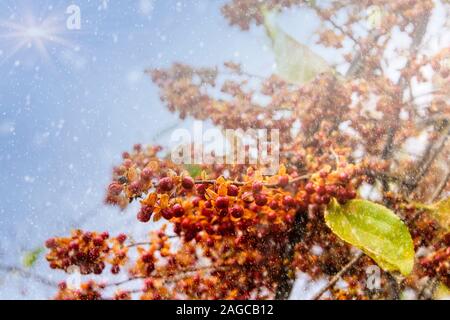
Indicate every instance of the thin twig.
{"type": "Point", "coordinates": [175, 274]}
{"type": "Point", "coordinates": [143, 243]}
{"type": "Point", "coordinates": [338, 275]}
{"type": "Point", "coordinates": [427, 160]}
{"type": "Point", "coordinates": [28, 275]}
{"type": "Point", "coordinates": [267, 185]}
{"type": "Point", "coordinates": [440, 187]}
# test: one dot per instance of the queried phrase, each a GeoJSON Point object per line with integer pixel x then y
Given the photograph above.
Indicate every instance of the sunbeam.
{"type": "Point", "coordinates": [32, 33]}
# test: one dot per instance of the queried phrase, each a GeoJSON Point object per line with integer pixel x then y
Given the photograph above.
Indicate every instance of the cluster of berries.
{"type": "Point", "coordinates": [87, 291]}
{"type": "Point", "coordinates": [88, 251]}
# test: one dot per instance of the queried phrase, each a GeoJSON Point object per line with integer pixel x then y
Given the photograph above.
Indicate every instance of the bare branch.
{"type": "Point", "coordinates": [267, 185]}
{"type": "Point", "coordinates": [338, 275]}
{"type": "Point", "coordinates": [28, 275]}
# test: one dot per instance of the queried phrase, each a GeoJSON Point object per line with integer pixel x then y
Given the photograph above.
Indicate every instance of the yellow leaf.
{"type": "Point", "coordinates": [210, 194]}
{"type": "Point", "coordinates": [282, 170]}
{"type": "Point", "coordinates": [164, 201]}
{"type": "Point", "coordinates": [150, 200]}
{"type": "Point", "coordinates": [223, 189]}
{"type": "Point", "coordinates": [441, 212]}
{"type": "Point", "coordinates": [30, 257]}
{"type": "Point", "coordinates": [296, 63]}
{"type": "Point", "coordinates": [156, 216]}
{"type": "Point", "coordinates": [374, 229]}
{"type": "Point", "coordinates": [442, 292]}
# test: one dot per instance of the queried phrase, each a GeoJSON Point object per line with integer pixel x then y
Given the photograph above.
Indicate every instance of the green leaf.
{"type": "Point", "coordinates": [441, 212]}
{"type": "Point", "coordinates": [30, 257]}
{"type": "Point", "coordinates": [374, 229]}
{"type": "Point", "coordinates": [296, 63]}
{"type": "Point", "coordinates": [442, 292]}
{"type": "Point", "coordinates": [193, 169]}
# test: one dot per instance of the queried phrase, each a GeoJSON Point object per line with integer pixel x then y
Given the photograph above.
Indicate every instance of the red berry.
{"type": "Point", "coordinates": [257, 186]}
{"type": "Point", "coordinates": [309, 188]}
{"type": "Point", "coordinates": [147, 258]}
{"type": "Point", "coordinates": [87, 236]}
{"type": "Point", "coordinates": [289, 201]}
{"type": "Point", "coordinates": [222, 202]}
{"type": "Point", "coordinates": [283, 181]}
{"type": "Point", "coordinates": [236, 211]}
{"type": "Point", "coordinates": [261, 199]}
{"type": "Point", "coordinates": [177, 229]}
{"type": "Point", "coordinates": [115, 188]}
{"type": "Point", "coordinates": [73, 245]}
{"type": "Point", "coordinates": [121, 254]}
{"type": "Point", "coordinates": [289, 218]}
{"type": "Point", "coordinates": [178, 210]}
{"type": "Point", "coordinates": [238, 241]}
{"type": "Point", "coordinates": [446, 239]}
{"type": "Point", "coordinates": [94, 253]}
{"type": "Point", "coordinates": [187, 183]}
{"type": "Point", "coordinates": [248, 197]}
{"type": "Point", "coordinates": [209, 229]}
{"type": "Point", "coordinates": [50, 243]}
{"type": "Point", "coordinates": [125, 155]}
{"type": "Point", "coordinates": [351, 194]}
{"type": "Point", "coordinates": [198, 226]}
{"type": "Point", "coordinates": [115, 269]}
{"type": "Point", "coordinates": [331, 189]}
{"type": "Point", "coordinates": [186, 223]}
{"type": "Point", "coordinates": [254, 207]}
{"type": "Point", "coordinates": [196, 201]}
{"type": "Point", "coordinates": [62, 285]}
{"type": "Point", "coordinates": [208, 204]}
{"type": "Point", "coordinates": [98, 269]}
{"type": "Point", "coordinates": [342, 194]}
{"type": "Point", "coordinates": [209, 242]}
{"type": "Point", "coordinates": [144, 216]}
{"type": "Point", "coordinates": [127, 163]}
{"type": "Point", "coordinates": [98, 241]}
{"type": "Point", "coordinates": [148, 283]}
{"type": "Point", "coordinates": [233, 190]}
{"type": "Point", "coordinates": [320, 190]}
{"type": "Point", "coordinates": [201, 188]}
{"type": "Point", "coordinates": [134, 187]}
{"type": "Point", "coordinates": [343, 177]}
{"type": "Point", "coordinates": [146, 174]}
{"type": "Point", "coordinates": [167, 213]}
{"type": "Point", "coordinates": [105, 235]}
{"type": "Point", "coordinates": [122, 238]}
{"type": "Point", "coordinates": [223, 212]}
{"type": "Point", "coordinates": [273, 205]}
{"type": "Point", "coordinates": [325, 199]}
{"type": "Point", "coordinates": [207, 212]}
{"type": "Point", "coordinates": [166, 184]}
{"type": "Point", "coordinates": [271, 216]}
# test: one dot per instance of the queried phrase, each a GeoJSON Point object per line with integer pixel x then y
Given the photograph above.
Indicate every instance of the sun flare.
{"type": "Point", "coordinates": [32, 33]}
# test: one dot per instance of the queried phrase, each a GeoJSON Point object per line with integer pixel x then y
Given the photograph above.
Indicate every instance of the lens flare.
{"type": "Point", "coordinates": [32, 33]}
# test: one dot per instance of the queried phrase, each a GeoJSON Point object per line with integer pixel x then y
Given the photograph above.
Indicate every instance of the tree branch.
{"type": "Point", "coordinates": [338, 275]}
{"type": "Point", "coordinates": [28, 275]}
{"type": "Point", "coordinates": [267, 185]}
